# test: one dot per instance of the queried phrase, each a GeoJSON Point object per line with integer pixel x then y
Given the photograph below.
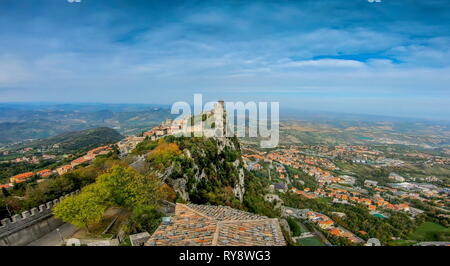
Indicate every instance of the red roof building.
{"type": "Point", "coordinates": [21, 177]}
{"type": "Point", "coordinates": [44, 173]}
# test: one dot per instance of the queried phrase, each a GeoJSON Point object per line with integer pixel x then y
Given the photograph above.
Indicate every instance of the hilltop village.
{"type": "Point", "coordinates": [295, 194]}
{"type": "Point", "coordinates": [208, 122]}
{"type": "Point", "coordinates": [185, 126]}
{"type": "Point", "coordinates": [184, 224]}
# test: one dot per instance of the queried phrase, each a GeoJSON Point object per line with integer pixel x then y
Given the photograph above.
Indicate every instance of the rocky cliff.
{"type": "Point", "coordinates": [200, 170]}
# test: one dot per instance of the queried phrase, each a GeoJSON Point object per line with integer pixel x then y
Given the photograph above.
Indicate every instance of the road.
{"type": "Point", "coordinates": [53, 238]}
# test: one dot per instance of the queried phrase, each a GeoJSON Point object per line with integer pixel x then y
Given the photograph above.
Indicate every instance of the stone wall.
{"type": "Point", "coordinates": [29, 226]}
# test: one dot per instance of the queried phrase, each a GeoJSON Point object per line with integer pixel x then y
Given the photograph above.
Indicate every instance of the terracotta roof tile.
{"type": "Point", "coordinates": [207, 225]}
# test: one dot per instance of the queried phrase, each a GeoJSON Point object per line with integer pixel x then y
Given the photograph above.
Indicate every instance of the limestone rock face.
{"type": "Point", "coordinates": [201, 167]}
{"type": "Point", "coordinates": [179, 185]}
{"type": "Point", "coordinates": [239, 188]}
{"type": "Point", "coordinates": [208, 165]}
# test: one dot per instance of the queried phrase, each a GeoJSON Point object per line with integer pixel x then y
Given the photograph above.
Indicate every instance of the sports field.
{"type": "Point", "coordinates": [310, 241]}
{"type": "Point", "coordinates": [428, 231]}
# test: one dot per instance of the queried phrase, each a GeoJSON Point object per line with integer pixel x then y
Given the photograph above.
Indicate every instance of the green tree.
{"type": "Point", "coordinates": [80, 210]}
{"type": "Point", "coordinates": [122, 187]}
{"type": "Point", "coordinates": [127, 188]}
{"type": "Point", "coordinates": [294, 226]}
{"type": "Point", "coordinates": [142, 219]}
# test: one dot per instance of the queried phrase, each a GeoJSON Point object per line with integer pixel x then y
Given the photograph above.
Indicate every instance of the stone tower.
{"type": "Point", "coordinates": [220, 118]}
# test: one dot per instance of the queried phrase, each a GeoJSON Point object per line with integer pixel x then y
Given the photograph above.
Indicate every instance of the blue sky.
{"type": "Point", "coordinates": [389, 58]}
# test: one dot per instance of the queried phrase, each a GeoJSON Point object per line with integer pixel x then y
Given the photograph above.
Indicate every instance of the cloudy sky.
{"type": "Point", "coordinates": [390, 58]}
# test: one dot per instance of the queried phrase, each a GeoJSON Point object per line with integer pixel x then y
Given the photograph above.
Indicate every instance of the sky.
{"type": "Point", "coordinates": [353, 56]}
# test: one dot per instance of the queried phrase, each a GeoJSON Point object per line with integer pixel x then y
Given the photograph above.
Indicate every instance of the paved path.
{"type": "Point", "coordinates": [306, 235]}
{"type": "Point", "coordinates": [53, 238]}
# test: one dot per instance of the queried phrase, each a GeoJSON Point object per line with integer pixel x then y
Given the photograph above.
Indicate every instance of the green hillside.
{"type": "Point", "coordinates": [79, 140]}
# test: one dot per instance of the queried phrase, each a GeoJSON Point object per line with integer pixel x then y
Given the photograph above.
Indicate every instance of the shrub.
{"type": "Point", "coordinates": [143, 219]}
{"type": "Point", "coordinates": [294, 226]}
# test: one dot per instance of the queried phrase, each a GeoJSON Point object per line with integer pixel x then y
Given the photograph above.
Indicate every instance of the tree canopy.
{"type": "Point", "coordinates": [120, 186]}
{"type": "Point", "coordinates": [80, 210]}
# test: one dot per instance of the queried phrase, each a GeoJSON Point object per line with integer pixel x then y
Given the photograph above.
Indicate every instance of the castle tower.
{"type": "Point", "coordinates": [219, 118]}
{"type": "Point", "coordinates": [222, 104]}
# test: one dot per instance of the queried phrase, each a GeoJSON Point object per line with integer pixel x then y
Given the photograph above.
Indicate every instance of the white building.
{"type": "Point", "coordinates": [370, 183]}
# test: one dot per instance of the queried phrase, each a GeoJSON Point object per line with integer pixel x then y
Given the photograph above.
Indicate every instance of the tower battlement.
{"type": "Point", "coordinates": [19, 221]}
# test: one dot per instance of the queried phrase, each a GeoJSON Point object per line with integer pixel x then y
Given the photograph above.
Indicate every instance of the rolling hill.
{"type": "Point", "coordinates": [78, 140]}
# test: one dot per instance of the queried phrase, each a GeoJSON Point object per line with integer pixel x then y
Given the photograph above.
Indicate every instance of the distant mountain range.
{"type": "Point", "coordinates": [20, 122]}
{"type": "Point", "coordinates": [78, 140]}
{"type": "Point", "coordinates": [30, 121]}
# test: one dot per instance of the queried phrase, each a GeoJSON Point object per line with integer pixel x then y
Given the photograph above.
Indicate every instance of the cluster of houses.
{"type": "Point", "coordinates": [28, 158]}
{"type": "Point", "coordinates": [418, 191]}
{"type": "Point", "coordinates": [42, 174]}
{"type": "Point", "coordinates": [313, 166]}
{"type": "Point", "coordinates": [433, 194]}
{"type": "Point", "coordinates": [396, 177]}
{"type": "Point", "coordinates": [355, 153]}
{"type": "Point", "coordinates": [358, 153]}
{"type": "Point", "coordinates": [344, 196]}
{"type": "Point", "coordinates": [430, 159]}
{"type": "Point", "coordinates": [350, 196]}
{"type": "Point", "coordinates": [179, 126]}
{"type": "Point", "coordinates": [20, 178]}
{"type": "Point", "coordinates": [305, 193]}
{"type": "Point", "coordinates": [294, 158]}
{"type": "Point", "coordinates": [90, 155]}
{"type": "Point", "coordinates": [281, 171]}
{"type": "Point", "coordinates": [329, 185]}
{"type": "Point", "coordinates": [32, 159]}
{"type": "Point", "coordinates": [325, 223]}
{"type": "Point", "coordinates": [342, 189]}
{"type": "Point", "coordinates": [168, 127]}
{"type": "Point", "coordinates": [128, 144]}
{"type": "Point", "coordinates": [208, 120]}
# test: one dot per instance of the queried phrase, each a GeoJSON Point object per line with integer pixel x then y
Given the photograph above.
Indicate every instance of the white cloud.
{"type": "Point", "coordinates": [325, 63]}
{"type": "Point", "coordinates": [259, 48]}
{"type": "Point", "coordinates": [13, 71]}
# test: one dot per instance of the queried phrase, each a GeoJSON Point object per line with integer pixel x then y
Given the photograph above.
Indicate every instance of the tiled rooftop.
{"type": "Point", "coordinates": [206, 225]}
{"type": "Point", "coordinates": [224, 213]}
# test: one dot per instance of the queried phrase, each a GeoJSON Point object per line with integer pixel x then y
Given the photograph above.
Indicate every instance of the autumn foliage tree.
{"type": "Point", "coordinates": [169, 193]}
{"type": "Point", "coordinates": [163, 154]}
